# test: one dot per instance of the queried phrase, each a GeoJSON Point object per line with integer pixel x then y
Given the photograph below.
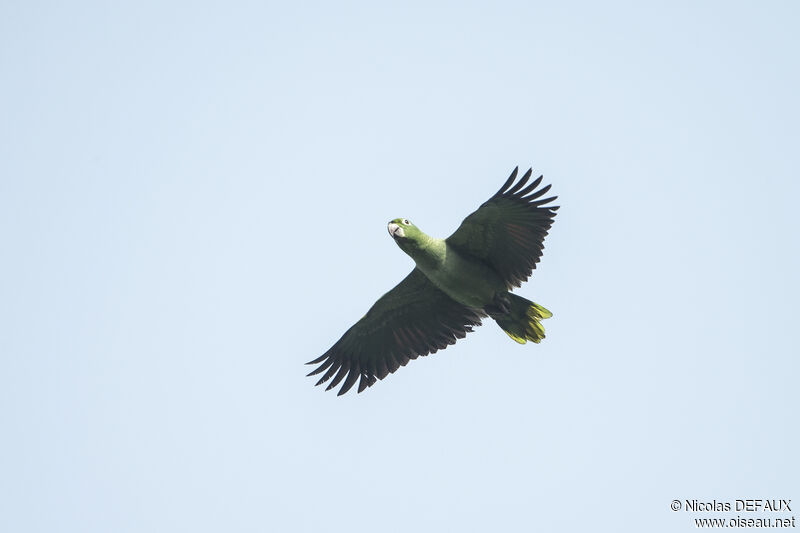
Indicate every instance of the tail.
{"type": "Point", "coordinates": [519, 317]}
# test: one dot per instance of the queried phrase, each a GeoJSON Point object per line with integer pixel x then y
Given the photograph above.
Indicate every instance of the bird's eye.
{"type": "Point", "coordinates": [405, 221]}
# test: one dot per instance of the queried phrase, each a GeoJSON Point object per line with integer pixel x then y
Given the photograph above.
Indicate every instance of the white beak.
{"type": "Point", "coordinates": [395, 230]}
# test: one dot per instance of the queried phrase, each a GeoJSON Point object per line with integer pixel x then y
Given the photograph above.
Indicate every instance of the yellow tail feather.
{"type": "Point", "coordinates": [522, 322]}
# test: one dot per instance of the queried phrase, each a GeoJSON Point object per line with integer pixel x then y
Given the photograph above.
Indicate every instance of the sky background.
{"type": "Point", "coordinates": [193, 203]}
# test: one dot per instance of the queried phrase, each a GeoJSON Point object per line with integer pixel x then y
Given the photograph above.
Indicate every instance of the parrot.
{"type": "Point", "coordinates": [456, 282]}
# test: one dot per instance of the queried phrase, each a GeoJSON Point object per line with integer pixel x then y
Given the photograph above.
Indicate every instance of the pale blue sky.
{"type": "Point", "coordinates": [193, 203]}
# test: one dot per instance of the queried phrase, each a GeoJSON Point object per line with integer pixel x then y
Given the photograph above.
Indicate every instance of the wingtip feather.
{"type": "Point", "coordinates": [523, 180]}
{"type": "Point", "coordinates": [318, 359]}
{"type": "Point", "coordinates": [339, 376]}
{"type": "Point", "coordinates": [352, 376]}
{"type": "Point", "coordinates": [320, 368]}
{"type": "Point", "coordinates": [508, 182]}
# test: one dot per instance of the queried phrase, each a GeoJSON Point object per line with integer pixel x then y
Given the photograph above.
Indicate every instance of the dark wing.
{"type": "Point", "coordinates": [508, 230]}
{"type": "Point", "coordinates": [414, 318]}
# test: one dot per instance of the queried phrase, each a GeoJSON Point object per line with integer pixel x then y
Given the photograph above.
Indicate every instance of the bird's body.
{"type": "Point", "coordinates": [466, 280]}
{"type": "Point", "coordinates": [456, 282]}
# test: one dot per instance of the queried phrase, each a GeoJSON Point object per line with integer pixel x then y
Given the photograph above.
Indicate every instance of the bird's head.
{"type": "Point", "coordinates": [404, 232]}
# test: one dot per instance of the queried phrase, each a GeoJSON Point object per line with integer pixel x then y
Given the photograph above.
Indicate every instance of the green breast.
{"type": "Point", "coordinates": [464, 279]}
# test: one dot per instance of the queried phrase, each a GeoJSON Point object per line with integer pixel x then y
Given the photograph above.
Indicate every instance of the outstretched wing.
{"type": "Point", "coordinates": [414, 318]}
{"type": "Point", "coordinates": [508, 230]}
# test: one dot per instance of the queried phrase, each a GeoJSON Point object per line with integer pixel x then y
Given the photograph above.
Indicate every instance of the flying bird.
{"type": "Point", "coordinates": [456, 282]}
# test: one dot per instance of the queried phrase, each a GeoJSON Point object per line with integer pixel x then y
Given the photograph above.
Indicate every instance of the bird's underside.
{"type": "Point", "coordinates": [495, 249]}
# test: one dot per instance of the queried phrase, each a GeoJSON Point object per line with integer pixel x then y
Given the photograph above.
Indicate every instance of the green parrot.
{"type": "Point", "coordinates": [457, 281]}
